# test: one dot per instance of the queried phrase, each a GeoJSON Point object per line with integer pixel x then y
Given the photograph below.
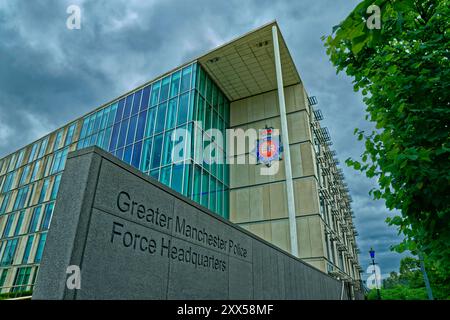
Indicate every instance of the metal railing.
{"type": "Point", "coordinates": [16, 292]}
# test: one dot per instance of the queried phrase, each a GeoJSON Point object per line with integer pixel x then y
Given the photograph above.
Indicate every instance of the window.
{"type": "Point", "coordinates": [136, 102]}
{"type": "Point", "coordinates": [5, 203]}
{"type": "Point", "coordinates": [43, 149]}
{"type": "Point", "coordinates": [19, 223]}
{"type": "Point", "coordinates": [40, 248]}
{"type": "Point", "coordinates": [21, 279]}
{"type": "Point", "coordinates": [34, 175]}
{"type": "Point", "coordinates": [8, 254]}
{"type": "Point", "coordinates": [20, 158]}
{"type": "Point", "coordinates": [21, 198]}
{"type": "Point", "coordinates": [26, 253]}
{"type": "Point", "coordinates": [24, 176]}
{"type": "Point", "coordinates": [8, 225]}
{"type": "Point", "coordinates": [33, 153]}
{"type": "Point", "coordinates": [59, 161]}
{"type": "Point", "coordinates": [34, 220]}
{"type": "Point", "coordinates": [44, 190]}
{"type": "Point", "coordinates": [58, 139]}
{"type": "Point", "coordinates": [186, 79]}
{"type": "Point", "coordinates": [70, 133]}
{"type": "Point", "coordinates": [7, 186]}
{"type": "Point", "coordinates": [48, 212]}
{"type": "Point", "coordinates": [3, 275]}
{"type": "Point", "coordinates": [55, 187]}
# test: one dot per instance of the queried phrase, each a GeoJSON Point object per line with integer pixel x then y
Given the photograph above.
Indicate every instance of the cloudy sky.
{"type": "Point", "coordinates": [50, 75]}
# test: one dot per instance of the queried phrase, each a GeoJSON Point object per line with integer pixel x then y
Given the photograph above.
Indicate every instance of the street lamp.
{"type": "Point", "coordinates": [372, 256]}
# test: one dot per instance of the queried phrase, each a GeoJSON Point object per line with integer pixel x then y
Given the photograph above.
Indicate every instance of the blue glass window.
{"type": "Point", "coordinates": [141, 125]}
{"type": "Point", "coordinates": [171, 113]}
{"type": "Point", "coordinates": [55, 187]}
{"type": "Point", "coordinates": [21, 198]}
{"type": "Point", "coordinates": [114, 137]}
{"type": "Point", "coordinates": [145, 163]}
{"type": "Point", "coordinates": [136, 154]}
{"type": "Point", "coordinates": [40, 248]}
{"type": "Point", "coordinates": [156, 153]}
{"type": "Point", "coordinates": [155, 94]}
{"type": "Point", "coordinates": [119, 153]}
{"type": "Point", "coordinates": [48, 212]}
{"type": "Point", "coordinates": [127, 154]}
{"type": "Point", "coordinates": [123, 132]}
{"type": "Point", "coordinates": [43, 148]}
{"type": "Point", "coordinates": [151, 117]}
{"type": "Point", "coordinates": [183, 109]}
{"type": "Point", "coordinates": [34, 220]}
{"type": "Point", "coordinates": [131, 130]}
{"type": "Point", "coordinates": [5, 203]}
{"type": "Point", "coordinates": [186, 79]}
{"type": "Point", "coordinates": [175, 84]}
{"type": "Point", "coordinates": [165, 175]}
{"type": "Point", "coordinates": [119, 111]}
{"type": "Point", "coordinates": [164, 89]}
{"type": "Point", "coordinates": [112, 115]}
{"type": "Point", "coordinates": [70, 133]}
{"type": "Point", "coordinates": [27, 251]}
{"type": "Point", "coordinates": [136, 102]}
{"type": "Point", "coordinates": [160, 118]}
{"type": "Point", "coordinates": [8, 225]}
{"type": "Point", "coordinates": [177, 177]}
{"type": "Point", "coordinates": [128, 104]}
{"type": "Point", "coordinates": [98, 121]}
{"type": "Point", "coordinates": [19, 223]}
{"type": "Point", "coordinates": [58, 140]}
{"type": "Point", "coordinates": [145, 98]}
{"type": "Point", "coordinates": [44, 190]}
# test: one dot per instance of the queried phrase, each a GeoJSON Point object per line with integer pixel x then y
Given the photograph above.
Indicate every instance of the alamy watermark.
{"type": "Point", "coordinates": [374, 279]}
{"type": "Point", "coordinates": [73, 281]}
{"type": "Point", "coordinates": [249, 146]}
{"type": "Point", "coordinates": [74, 19]}
{"type": "Point", "coordinates": [374, 20]}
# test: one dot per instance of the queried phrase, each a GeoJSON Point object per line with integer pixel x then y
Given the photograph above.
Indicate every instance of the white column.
{"type": "Point", "coordinates": [285, 139]}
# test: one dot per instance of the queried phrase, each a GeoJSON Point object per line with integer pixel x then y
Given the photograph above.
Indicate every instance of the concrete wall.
{"type": "Point", "coordinates": [258, 202]}
{"type": "Point", "coordinates": [93, 226]}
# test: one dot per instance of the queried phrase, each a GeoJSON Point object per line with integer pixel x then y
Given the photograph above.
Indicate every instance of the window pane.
{"type": "Point", "coordinates": [155, 94]}
{"type": "Point", "coordinates": [205, 189]}
{"type": "Point", "coordinates": [127, 154]}
{"type": "Point", "coordinates": [156, 153]}
{"type": "Point", "coordinates": [177, 177]}
{"type": "Point", "coordinates": [171, 113]}
{"type": "Point", "coordinates": [141, 125]}
{"type": "Point", "coordinates": [119, 112]}
{"type": "Point", "coordinates": [123, 132]}
{"type": "Point", "coordinates": [131, 130]}
{"type": "Point", "coordinates": [114, 137]}
{"type": "Point", "coordinates": [136, 154]}
{"type": "Point", "coordinates": [151, 117]}
{"type": "Point", "coordinates": [164, 89]}
{"type": "Point", "coordinates": [186, 79]}
{"type": "Point", "coordinates": [136, 102]}
{"type": "Point", "coordinates": [145, 98]}
{"type": "Point", "coordinates": [165, 175]}
{"type": "Point", "coordinates": [175, 84]}
{"type": "Point", "coordinates": [183, 109]}
{"type": "Point", "coordinates": [128, 104]}
{"type": "Point", "coordinates": [145, 163]}
{"type": "Point", "coordinates": [160, 118]}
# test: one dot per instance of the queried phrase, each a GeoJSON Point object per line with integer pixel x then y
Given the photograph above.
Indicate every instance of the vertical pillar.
{"type": "Point", "coordinates": [285, 139]}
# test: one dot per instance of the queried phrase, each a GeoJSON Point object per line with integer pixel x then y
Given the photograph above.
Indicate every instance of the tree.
{"type": "Point", "coordinates": [403, 72]}
{"type": "Point", "coordinates": [408, 284]}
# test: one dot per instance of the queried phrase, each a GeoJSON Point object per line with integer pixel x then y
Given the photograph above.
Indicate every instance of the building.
{"type": "Point", "coordinates": [304, 208]}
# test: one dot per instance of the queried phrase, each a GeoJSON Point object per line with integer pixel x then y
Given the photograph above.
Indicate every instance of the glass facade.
{"type": "Point", "coordinates": [142, 129]}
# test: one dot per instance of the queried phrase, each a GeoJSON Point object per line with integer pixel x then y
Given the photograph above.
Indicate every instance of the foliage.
{"type": "Point", "coordinates": [408, 284]}
{"type": "Point", "coordinates": [11, 295]}
{"type": "Point", "coordinates": [403, 72]}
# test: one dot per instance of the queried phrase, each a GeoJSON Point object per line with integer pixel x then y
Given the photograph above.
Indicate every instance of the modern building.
{"type": "Point", "coordinates": [304, 208]}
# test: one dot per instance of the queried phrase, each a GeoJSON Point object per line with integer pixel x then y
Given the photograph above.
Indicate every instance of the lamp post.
{"type": "Point", "coordinates": [372, 256]}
